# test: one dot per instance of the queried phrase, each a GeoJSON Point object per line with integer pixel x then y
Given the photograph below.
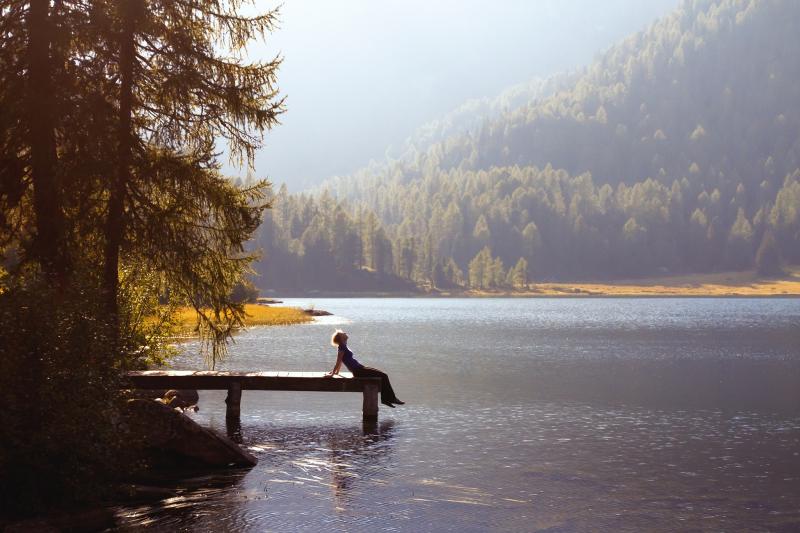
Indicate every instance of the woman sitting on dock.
{"type": "Point", "coordinates": [345, 356]}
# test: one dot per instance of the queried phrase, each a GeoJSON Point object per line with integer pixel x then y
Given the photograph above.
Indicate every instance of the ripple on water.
{"type": "Point", "coordinates": [572, 465]}
{"type": "Point", "coordinates": [570, 415]}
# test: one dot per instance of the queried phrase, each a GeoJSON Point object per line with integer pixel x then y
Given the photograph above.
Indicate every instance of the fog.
{"type": "Point", "coordinates": [360, 76]}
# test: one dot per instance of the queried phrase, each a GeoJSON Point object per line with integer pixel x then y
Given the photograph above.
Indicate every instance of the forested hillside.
{"type": "Point", "coordinates": [474, 113]}
{"type": "Point", "coordinates": [676, 151]}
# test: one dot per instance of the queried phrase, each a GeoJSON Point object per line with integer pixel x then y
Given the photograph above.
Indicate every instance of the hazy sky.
{"type": "Point", "coordinates": [361, 75]}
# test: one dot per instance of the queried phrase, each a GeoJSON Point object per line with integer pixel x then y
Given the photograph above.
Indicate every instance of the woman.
{"type": "Point", "coordinates": [345, 356]}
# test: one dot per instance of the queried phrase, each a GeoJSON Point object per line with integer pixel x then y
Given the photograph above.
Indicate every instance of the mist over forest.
{"type": "Point", "coordinates": [676, 151]}
{"type": "Point", "coordinates": [360, 76]}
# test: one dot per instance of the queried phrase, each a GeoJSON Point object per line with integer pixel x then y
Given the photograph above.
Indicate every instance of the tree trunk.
{"type": "Point", "coordinates": [48, 247]}
{"type": "Point", "coordinates": [115, 224]}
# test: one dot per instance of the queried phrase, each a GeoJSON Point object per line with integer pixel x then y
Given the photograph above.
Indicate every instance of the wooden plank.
{"type": "Point", "coordinates": [221, 380]}
{"type": "Point", "coordinates": [236, 382]}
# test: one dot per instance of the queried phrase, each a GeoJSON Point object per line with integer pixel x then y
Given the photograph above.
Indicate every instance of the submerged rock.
{"type": "Point", "coordinates": [168, 432]}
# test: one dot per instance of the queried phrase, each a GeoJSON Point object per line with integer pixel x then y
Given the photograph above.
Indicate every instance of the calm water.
{"type": "Point", "coordinates": [521, 415]}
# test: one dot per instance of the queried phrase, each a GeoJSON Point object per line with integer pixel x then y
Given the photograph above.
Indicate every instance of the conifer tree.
{"type": "Point", "coordinates": [768, 261]}
{"type": "Point", "coordinates": [183, 83]}
{"type": "Point", "coordinates": [110, 116]}
{"type": "Point", "coordinates": [519, 274]}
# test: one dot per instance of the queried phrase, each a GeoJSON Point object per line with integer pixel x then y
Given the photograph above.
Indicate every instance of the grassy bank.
{"type": "Point", "coordinates": [256, 315]}
{"type": "Point", "coordinates": [695, 285]}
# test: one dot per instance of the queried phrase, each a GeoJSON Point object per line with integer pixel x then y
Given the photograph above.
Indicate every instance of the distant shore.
{"type": "Point", "coordinates": [721, 284]}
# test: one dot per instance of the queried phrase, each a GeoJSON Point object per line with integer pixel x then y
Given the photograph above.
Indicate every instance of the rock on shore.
{"type": "Point", "coordinates": [165, 430]}
{"type": "Point", "coordinates": [316, 312]}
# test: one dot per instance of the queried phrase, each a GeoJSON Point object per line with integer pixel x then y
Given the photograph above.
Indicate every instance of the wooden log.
{"type": "Point", "coordinates": [234, 400]}
{"type": "Point", "coordinates": [370, 407]}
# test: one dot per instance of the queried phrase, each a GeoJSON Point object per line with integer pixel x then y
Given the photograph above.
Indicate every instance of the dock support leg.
{"type": "Point", "coordinates": [234, 401]}
{"type": "Point", "coordinates": [370, 408]}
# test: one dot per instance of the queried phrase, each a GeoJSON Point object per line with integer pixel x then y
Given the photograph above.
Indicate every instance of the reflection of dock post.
{"type": "Point", "coordinates": [369, 426]}
{"type": "Point", "coordinates": [370, 408]}
{"type": "Point", "coordinates": [234, 401]}
{"type": "Point", "coordinates": [233, 427]}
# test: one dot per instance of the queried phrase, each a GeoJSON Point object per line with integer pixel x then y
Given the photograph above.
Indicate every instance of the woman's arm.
{"type": "Point", "coordinates": [338, 364]}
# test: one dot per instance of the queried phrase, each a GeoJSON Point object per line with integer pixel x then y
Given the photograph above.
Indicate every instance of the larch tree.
{"type": "Point", "coordinates": [768, 259]}
{"type": "Point", "coordinates": [518, 276]}
{"type": "Point", "coordinates": [110, 116]}
{"type": "Point", "coordinates": [182, 84]}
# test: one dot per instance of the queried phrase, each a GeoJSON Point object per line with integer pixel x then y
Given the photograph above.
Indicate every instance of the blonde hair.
{"type": "Point", "coordinates": [337, 337]}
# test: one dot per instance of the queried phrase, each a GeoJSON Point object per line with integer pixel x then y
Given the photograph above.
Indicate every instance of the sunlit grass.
{"type": "Point", "coordinates": [716, 284]}
{"type": "Point", "coordinates": [185, 318]}
{"type": "Point", "coordinates": [746, 283]}
{"type": "Point", "coordinates": [262, 315]}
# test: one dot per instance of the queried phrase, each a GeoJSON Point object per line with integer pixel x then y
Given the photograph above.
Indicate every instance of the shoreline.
{"type": "Point", "coordinates": [717, 285]}
{"type": "Point", "coordinates": [521, 295]}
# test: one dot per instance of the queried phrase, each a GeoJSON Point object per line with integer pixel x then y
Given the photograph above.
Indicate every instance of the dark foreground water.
{"type": "Point", "coordinates": [521, 415]}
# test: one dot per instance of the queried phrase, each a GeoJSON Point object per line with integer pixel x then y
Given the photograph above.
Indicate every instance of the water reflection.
{"type": "Point", "coordinates": [173, 512]}
{"type": "Point", "coordinates": [311, 474]}
{"type": "Point", "coordinates": [338, 458]}
{"type": "Point", "coordinates": [233, 427]}
{"type": "Point", "coordinates": [343, 474]}
{"type": "Point", "coordinates": [336, 465]}
{"type": "Point", "coordinates": [569, 415]}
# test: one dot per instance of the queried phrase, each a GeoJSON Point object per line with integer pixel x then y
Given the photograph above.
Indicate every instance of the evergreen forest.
{"type": "Point", "coordinates": [676, 151]}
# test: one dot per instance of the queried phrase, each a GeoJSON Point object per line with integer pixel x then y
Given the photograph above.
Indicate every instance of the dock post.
{"type": "Point", "coordinates": [370, 408]}
{"type": "Point", "coordinates": [234, 400]}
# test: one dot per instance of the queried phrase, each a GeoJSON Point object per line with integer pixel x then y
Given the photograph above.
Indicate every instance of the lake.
{"type": "Point", "coordinates": [522, 415]}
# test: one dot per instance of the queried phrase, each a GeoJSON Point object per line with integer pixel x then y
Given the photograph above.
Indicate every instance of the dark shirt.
{"type": "Point", "coordinates": [348, 359]}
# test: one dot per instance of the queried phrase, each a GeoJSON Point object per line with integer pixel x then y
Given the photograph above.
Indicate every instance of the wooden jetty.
{"type": "Point", "coordinates": [236, 382]}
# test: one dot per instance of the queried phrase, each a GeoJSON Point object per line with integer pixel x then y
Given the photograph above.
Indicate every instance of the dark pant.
{"type": "Point", "coordinates": [387, 393]}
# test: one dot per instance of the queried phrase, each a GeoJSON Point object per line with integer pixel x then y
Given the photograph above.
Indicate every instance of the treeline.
{"type": "Point", "coordinates": [677, 151]}
{"type": "Point", "coordinates": [319, 243]}
{"type": "Point", "coordinates": [509, 226]}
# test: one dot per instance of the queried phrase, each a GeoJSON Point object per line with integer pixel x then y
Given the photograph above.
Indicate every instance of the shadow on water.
{"type": "Point", "coordinates": [330, 464]}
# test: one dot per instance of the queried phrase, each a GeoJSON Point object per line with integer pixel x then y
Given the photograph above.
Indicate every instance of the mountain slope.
{"type": "Point", "coordinates": [677, 151]}
{"type": "Point", "coordinates": [714, 85]}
